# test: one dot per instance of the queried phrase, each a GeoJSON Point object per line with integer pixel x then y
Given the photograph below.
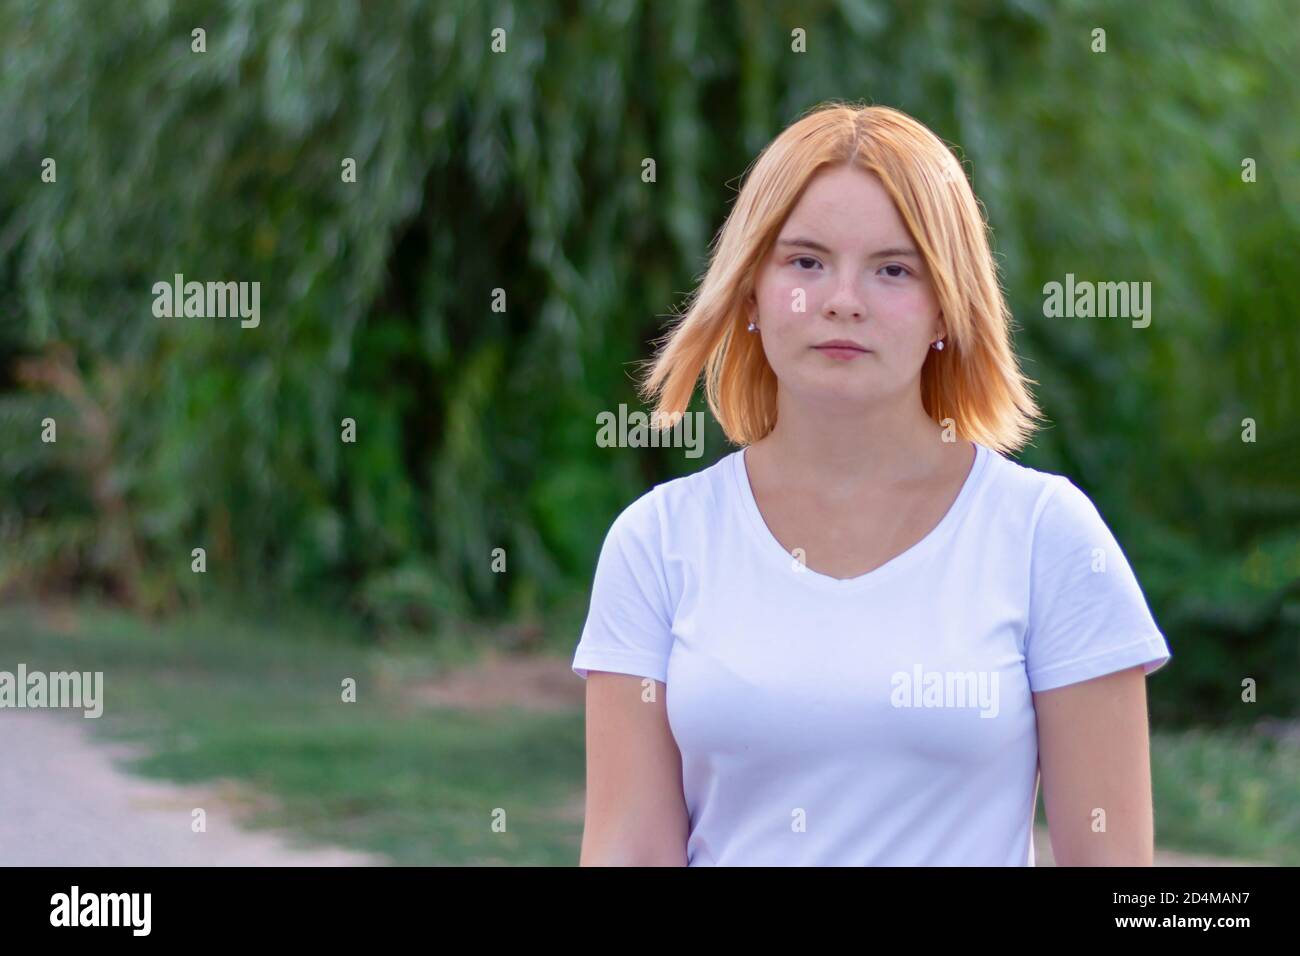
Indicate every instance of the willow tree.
{"type": "Point", "coordinates": [461, 253]}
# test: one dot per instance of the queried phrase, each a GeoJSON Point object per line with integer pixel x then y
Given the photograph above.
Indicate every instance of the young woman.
{"type": "Point", "coordinates": [857, 639]}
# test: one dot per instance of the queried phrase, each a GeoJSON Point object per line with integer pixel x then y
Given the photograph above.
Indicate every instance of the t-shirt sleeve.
{"type": "Point", "coordinates": [629, 621]}
{"type": "Point", "coordinates": [1087, 613]}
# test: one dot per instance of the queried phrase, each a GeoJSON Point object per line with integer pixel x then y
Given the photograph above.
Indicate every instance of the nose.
{"type": "Point", "coordinates": [844, 302]}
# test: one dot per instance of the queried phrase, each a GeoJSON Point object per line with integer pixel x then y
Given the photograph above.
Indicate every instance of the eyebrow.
{"type": "Point", "coordinates": [892, 251]}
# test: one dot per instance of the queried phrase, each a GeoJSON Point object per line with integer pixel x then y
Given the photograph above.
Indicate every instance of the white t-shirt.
{"type": "Point", "coordinates": [880, 720]}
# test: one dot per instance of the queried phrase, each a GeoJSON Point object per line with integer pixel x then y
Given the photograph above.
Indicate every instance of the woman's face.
{"type": "Point", "coordinates": [844, 267]}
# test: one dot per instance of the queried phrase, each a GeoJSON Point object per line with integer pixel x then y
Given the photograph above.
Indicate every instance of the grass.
{"type": "Point", "coordinates": [216, 696]}
{"type": "Point", "coordinates": [1228, 794]}
{"type": "Point", "coordinates": [261, 704]}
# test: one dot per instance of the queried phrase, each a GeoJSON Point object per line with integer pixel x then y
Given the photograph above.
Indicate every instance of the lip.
{"type": "Point", "coordinates": [840, 345]}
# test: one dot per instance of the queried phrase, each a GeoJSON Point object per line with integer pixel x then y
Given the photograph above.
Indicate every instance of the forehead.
{"type": "Point", "coordinates": [846, 206]}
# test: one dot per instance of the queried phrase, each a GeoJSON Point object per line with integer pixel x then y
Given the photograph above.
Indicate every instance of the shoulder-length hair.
{"type": "Point", "coordinates": [975, 380]}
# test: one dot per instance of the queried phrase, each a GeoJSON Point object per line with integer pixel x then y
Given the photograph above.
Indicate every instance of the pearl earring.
{"type": "Point", "coordinates": [753, 327]}
{"type": "Point", "coordinates": [939, 345]}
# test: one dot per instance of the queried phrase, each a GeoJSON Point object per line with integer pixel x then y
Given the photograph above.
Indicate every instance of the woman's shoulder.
{"type": "Point", "coordinates": [1045, 502]}
{"type": "Point", "coordinates": [1021, 494]}
{"type": "Point", "coordinates": [1016, 479]}
{"type": "Point", "coordinates": [682, 503]}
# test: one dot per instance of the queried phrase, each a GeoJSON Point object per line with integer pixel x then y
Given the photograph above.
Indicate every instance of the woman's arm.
{"type": "Point", "coordinates": [635, 814]}
{"type": "Point", "coordinates": [1094, 753]}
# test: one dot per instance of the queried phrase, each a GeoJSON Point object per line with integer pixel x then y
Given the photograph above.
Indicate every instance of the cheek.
{"type": "Point", "coordinates": [906, 311]}
{"type": "Point", "coordinates": [779, 296]}
{"type": "Point", "coordinates": [774, 296]}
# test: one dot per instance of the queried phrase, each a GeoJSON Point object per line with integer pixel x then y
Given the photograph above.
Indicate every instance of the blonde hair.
{"type": "Point", "coordinates": [975, 380]}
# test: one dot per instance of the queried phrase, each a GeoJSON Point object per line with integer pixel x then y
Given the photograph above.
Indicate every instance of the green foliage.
{"type": "Point", "coordinates": [521, 171]}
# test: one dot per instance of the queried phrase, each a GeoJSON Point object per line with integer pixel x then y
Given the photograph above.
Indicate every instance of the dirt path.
{"type": "Point", "coordinates": [64, 801]}
{"type": "Point", "coordinates": [66, 798]}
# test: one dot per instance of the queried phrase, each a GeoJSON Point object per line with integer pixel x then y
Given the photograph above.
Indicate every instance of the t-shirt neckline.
{"type": "Point", "coordinates": [775, 551]}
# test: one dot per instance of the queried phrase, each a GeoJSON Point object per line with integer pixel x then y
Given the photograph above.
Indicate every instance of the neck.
{"type": "Point", "coordinates": [844, 446]}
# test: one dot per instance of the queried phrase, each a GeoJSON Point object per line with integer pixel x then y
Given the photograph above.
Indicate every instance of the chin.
{"type": "Point", "coordinates": [845, 394]}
